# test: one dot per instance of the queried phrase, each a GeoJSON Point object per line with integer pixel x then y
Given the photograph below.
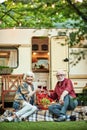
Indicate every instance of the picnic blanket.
{"type": "Point", "coordinates": [44, 115]}
{"type": "Point", "coordinates": [80, 113]}
{"type": "Point", "coordinates": [41, 115]}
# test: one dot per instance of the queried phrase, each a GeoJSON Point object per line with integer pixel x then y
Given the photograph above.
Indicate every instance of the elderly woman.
{"type": "Point", "coordinates": [24, 99]}
{"type": "Point", "coordinates": [65, 94]}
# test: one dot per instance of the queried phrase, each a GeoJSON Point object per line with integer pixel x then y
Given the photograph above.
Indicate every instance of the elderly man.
{"type": "Point", "coordinates": [65, 94]}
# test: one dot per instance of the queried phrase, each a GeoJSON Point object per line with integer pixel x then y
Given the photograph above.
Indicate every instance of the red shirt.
{"type": "Point", "coordinates": [67, 85]}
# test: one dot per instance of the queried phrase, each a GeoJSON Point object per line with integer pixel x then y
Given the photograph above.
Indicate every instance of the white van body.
{"type": "Point", "coordinates": [22, 39]}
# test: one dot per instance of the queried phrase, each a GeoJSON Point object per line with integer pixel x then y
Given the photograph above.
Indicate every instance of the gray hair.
{"type": "Point", "coordinates": [30, 73]}
{"type": "Point", "coordinates": [60, 72]}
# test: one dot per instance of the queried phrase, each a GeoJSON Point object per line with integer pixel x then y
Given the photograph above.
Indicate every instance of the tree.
{"type": "Point", "coordinates": [46, 14]}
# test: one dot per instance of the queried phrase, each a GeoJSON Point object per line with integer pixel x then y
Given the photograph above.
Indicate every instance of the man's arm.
{"type": "Point", "coordinates": [61, 100]}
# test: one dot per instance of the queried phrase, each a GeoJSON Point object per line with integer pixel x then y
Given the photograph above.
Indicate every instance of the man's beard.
{"type": "Point", "coordinates": [60, 80]}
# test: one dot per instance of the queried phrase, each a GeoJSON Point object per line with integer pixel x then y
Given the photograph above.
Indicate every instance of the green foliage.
{"type": "Point", "coordinates": [45, 14]}
{"type": "Point", "coordinates": [78, 55]}
{"type": "Point", "coordinates": [83, 97]}
{"type": "Point", "coordinates": [1, 67]}
{"type": "Point", "coordinates": [37, 13]}
{"type": "Point", "coordinates": [5, 70]}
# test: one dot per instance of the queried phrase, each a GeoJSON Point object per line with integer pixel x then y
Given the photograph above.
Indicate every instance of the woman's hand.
{"type": "Point", "coordinates": [38, 90]}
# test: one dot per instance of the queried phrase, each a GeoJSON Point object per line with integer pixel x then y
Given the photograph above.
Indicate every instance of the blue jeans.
{"type": "Point", "coordinates": [69, 104]}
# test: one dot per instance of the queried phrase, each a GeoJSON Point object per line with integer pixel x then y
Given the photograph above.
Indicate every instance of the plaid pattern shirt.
{"type": "Point", "coordinates": [22, 94]}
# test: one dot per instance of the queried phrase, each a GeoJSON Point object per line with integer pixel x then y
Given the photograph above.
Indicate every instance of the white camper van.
{"type": "Point", "coordinates": [43, 51]}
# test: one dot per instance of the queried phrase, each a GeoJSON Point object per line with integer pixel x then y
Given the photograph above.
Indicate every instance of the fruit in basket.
{"type": "Point", "coordinates": [45, 101]}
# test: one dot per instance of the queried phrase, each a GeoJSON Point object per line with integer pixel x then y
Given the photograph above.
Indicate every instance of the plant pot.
{"type": "Point", "coordinates": [5, 71]}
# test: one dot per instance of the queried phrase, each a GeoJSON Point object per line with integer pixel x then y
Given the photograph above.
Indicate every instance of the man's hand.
{"type": "Point", "coordinates": [61, 102]}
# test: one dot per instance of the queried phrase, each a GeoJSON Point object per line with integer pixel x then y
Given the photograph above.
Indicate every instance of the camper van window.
{"type": "Point", "coordinates": [35, 47]}
{"type": "Point", "coordinates": [44, 47]}
{"type": "Point", "coordinates": [9, 57]}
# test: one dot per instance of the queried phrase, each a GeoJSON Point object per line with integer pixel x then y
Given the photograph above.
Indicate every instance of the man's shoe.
{"type": "Point", "coordinates": [61, 118]}
{"type": "Point", "coordinates": [9, 119]}
{"type": "Point", "coordinates": [17, 120]}
{"type": "Point", "coordinates": [73, 117]}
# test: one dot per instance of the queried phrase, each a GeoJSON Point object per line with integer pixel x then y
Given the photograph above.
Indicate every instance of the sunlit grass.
{"type": "Point", "coordinates": [72, 125]}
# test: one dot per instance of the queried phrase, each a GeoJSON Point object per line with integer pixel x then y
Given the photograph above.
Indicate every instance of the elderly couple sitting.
{"type": "Point", "coordinates": [25, 96]}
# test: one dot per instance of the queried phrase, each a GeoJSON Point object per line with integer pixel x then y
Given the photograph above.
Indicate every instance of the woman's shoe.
{"type": "Point", "coordinates": [9, 119]}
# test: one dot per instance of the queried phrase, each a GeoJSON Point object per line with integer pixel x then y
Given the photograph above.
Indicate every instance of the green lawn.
{"type": "Point", "coordinates": [72, 125]}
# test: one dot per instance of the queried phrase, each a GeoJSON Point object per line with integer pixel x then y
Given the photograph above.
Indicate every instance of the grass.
{"type": "Point", "coordinates": [71, 125]}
